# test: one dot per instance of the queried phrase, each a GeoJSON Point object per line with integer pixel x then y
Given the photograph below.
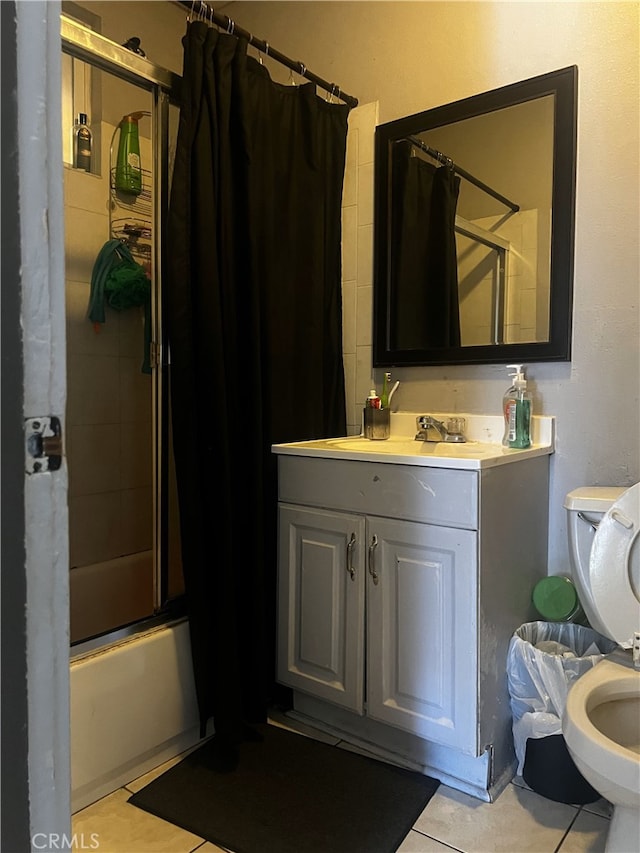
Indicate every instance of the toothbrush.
{"type": "Point", "coordinates": [393, 391]}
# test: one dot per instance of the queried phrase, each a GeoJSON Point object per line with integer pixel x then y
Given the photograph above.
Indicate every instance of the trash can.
{"type": "Point", "coordinates": [543, 661]}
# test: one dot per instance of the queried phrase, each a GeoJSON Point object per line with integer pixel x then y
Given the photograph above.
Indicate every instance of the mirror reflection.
{"type": "Point", "coordinates": [474, 227]}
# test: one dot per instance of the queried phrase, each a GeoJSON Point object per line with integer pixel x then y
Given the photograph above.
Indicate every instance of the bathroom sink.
{"type": "Point", "coordinates": [404, 446]}
{"type": "Point", "coordinates": [407, 451]}
{"type": "Point", "coordinates": [483, 448]}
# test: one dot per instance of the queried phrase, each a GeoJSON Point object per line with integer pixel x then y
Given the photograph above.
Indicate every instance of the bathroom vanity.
{"type": "Point", "coordinates": [404, 569]}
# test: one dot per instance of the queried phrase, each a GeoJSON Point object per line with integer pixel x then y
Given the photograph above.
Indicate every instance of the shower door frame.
{"type": "Point", "coordinates": [89, 46]}
{"type": "Point", "coordinates": [501, 247]}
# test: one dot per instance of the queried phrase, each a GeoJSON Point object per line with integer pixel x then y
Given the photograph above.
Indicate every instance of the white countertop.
{"type": "Point", "coordinates": [483, 448]}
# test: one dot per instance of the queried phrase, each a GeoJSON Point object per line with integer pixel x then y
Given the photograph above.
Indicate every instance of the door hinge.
{"type": "Point", "coordinates": [43, 444]}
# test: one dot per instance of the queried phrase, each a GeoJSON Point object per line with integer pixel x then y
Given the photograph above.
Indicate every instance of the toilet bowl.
{"type": "Point", "coordinates": [601, 721]}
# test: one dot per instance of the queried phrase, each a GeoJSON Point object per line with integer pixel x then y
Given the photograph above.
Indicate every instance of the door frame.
{"type": "Point", "coordinates": [37, 337]}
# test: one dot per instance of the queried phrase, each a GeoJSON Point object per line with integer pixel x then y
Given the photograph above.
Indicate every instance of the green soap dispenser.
{"type": "Point", "coordinates": [516, 405]}
{"type": "Point", "coordinates": [128, 178]}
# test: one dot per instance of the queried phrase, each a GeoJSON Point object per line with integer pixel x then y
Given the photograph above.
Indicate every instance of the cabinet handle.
{"type": "Point", "coordinates": [350, 546]}
{"type": "Point", "coordinates": [372, 548]}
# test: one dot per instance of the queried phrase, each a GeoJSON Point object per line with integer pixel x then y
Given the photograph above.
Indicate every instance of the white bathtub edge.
{"type": "Point", "coordinates": [133, 706]}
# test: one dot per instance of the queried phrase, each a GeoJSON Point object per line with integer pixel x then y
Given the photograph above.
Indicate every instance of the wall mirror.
{"type": "Point", "coordinates": [474, 228]}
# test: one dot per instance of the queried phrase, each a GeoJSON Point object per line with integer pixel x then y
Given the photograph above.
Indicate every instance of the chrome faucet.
{"type": "Point", "coordinates": [427, 425]}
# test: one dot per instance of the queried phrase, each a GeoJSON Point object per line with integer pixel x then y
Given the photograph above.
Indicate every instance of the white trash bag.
{"type": "Point", "coordinates": [543, 661]}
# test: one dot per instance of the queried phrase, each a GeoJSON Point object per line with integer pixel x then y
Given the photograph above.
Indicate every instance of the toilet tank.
{"type": "Point", "coordinates": [585, 507]}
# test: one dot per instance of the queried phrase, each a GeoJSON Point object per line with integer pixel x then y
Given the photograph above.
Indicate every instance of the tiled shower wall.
{"type": "Point", "coordinates": [523, 284]}
{"type": "Point", "coordinates": [108, 427]}
{"type": "Point", "coordinates": [357, 261]}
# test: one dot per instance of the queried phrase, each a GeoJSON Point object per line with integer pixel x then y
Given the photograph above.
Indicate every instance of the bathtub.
{"type": "Point", "coordinates": [133, 706]}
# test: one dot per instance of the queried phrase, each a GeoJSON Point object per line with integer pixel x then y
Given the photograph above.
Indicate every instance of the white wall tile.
{"type": "Point", "coordinates": [364, 374]}
{"type": "Point", "coordinates": [349, 317]}
{"type": "Point", "coordinates": [135, 393]}
{"type": "Point", "coordinates": [350, 391]}
{"type": "Point", "coordinates": [136, 449]}
{"type": "Point", "coordinates": [350, 186]}
{"type": "Point", "coordinates": [136, 523]}
{"type": "Point", "coordinates": [131, 340]}
{"type": "Point", "coordinates": [82, 338]}
{"type": "Point", "coordinates": [93, 389]}
{"type": "Point", "coordinates": [93, 455]}
{"type": "Point", "coordinates": [364, 310]}
{"type": "Point", "coordinates": [365, 194]}
{"type": "Point", "coordinates": [365, 255]}
{"type": "Point", "coordinates": [349, 243]}
{"type": "Point", "coordinates": [357, 255]}
{"type": "Point", "coordinates": [365, 118]}
{"type": "Point", "coordinates": [110, 593]}
{"type": "Point", "coordinates": [85, 234]}
{"type": "Point", "coordinates": [94, 528]}
{"type": "Point", "coordinates": [528, 308]}
{"type": "Point", "coordinates": [85, 191]}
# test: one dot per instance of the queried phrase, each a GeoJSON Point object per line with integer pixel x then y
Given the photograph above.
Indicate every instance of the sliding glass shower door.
{"type": "Point", "coordinates": [124, 553]}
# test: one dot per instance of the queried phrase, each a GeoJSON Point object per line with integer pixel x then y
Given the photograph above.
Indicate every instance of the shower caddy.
{"type": "Point", "coordinates": [131, 216]}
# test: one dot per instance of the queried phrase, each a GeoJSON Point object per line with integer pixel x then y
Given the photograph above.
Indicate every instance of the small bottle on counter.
{"type": "Point", "coordinates": [373, 401]}
{"type": "Point", "coordinates": [82, 144]}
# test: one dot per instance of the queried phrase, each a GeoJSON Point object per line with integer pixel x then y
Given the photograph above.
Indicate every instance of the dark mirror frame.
{"type": "Point", "coordinates": [563, 85]}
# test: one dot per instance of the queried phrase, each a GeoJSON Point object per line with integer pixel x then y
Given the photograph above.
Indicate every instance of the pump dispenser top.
{"type": "Point", "coordinates": [518, 376]}
{"type": "Point", "coordinates": [516, 405]}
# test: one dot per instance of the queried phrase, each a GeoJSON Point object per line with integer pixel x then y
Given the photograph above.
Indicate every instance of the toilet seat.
{"type": "Point", "coordinates": [614, 570]}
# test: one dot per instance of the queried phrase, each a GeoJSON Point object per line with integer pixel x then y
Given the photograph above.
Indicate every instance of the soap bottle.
{"type": "Point", "coordinates": [516, 405]}
{"type": "Point", "coordinates": [128, 171]}
{"type": "Point", "coordinates": [82, 140]}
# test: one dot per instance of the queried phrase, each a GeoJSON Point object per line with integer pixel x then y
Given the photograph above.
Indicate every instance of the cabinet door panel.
{"type": "Point", "coordinates": [321, 604]}
{"type": "Point", "coordinates": [422, 651]}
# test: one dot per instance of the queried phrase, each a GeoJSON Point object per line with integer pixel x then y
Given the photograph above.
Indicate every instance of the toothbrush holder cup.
{"type": "Point", "coordinates": [377, 423]}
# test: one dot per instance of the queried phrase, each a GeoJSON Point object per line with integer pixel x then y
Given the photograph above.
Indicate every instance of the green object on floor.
{"type": "Point", "coordinates": [120, 282]}
{"type": "Point", "coordinates": [556, 600]}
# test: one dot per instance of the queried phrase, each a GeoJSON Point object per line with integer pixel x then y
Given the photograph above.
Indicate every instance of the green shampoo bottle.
{"type": "Point", "coordinates": [128, 178]}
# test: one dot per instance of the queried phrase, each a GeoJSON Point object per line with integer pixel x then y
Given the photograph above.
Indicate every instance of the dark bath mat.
{"type": "Point", "coordinates": [289, 794]}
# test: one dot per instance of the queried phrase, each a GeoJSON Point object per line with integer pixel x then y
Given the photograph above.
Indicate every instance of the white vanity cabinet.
{"type": "Point", "coordinates": [416, 583]}
{"type": "Point", "coordinates": [399, 588]}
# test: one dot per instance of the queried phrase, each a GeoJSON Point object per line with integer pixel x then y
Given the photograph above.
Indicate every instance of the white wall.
{"type": "Point", "coordinates": [413, 56]}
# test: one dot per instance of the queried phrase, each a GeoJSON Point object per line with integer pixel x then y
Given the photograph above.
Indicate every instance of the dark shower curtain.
{"type": "Point", "coordinates": [424, 267]}
{"type": "Point", "coordinates": [254, 322]}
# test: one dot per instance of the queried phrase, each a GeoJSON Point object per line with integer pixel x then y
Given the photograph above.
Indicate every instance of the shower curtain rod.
{"type": "Point", "coordinates": [205, 12]}
{"type": "Point", "coordinates": [447, 161]}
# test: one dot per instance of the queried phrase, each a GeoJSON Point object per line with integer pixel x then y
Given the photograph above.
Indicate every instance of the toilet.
{"type": "Point", "coordinates": [601, 723]}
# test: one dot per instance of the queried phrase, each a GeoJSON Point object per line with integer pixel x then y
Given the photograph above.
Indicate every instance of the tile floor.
{"type": "Point", "coordinates": [519, 821]}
